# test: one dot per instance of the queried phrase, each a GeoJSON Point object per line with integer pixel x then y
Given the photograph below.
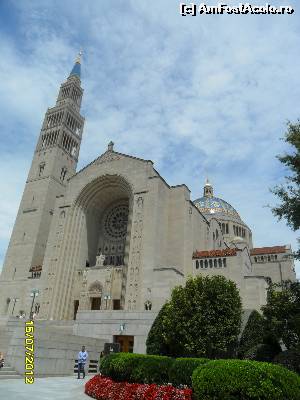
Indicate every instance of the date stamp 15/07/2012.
{"type": "Point", "coordinates": [29, 352]}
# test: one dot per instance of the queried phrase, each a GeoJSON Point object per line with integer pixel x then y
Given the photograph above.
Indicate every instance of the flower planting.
{"type": "Point", "coordinates": [103, 388]}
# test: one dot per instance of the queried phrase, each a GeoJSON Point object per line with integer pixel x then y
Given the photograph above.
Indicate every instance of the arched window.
{"type": "Point", "coordinates": [205, 264]}
{"type": "Point", "coordinates": [201, 263]}
{"type": "Point", "coordinates": [220, 262]}
{"type": "Point", "coordinates": [210, 263]}
{"type": "Point", "coordinates": [224, 263]}
{"type": "Point", "coordinates": [148, 305]}
{"type": "Point", "coordinates": [197, 264]}
{"type": "Point", "coordinates": [215, 263]}
{"type": "Point", "coordinates": [227, 229]}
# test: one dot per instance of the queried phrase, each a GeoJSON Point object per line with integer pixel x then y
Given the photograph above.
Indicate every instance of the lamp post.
{"type": "Point", "coordinates": [106, 298]}
{"type": "Point", "coordinates": [34, 293]}
{"type": "Point", "coordinates": [14, 300]}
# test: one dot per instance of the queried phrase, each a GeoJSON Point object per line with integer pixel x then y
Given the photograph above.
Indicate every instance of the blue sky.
{"type": "Point", "coordinates": [205, 96]}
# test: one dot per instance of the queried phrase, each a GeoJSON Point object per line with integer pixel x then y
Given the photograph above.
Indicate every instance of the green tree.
{"type": "Point", "coordinates": [202, 319]}
{"type": "Point", "coordinates": [156, 340]}
{"type": "Point", "coordinates": [290, 193]}
{"type": "Point", "coordinates": [253, 333]}
{"type": "Point", "coordinates": [282, 312]}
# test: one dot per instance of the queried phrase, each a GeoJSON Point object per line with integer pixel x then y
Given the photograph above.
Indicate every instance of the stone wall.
{"type": "Point", "coordinates": [55, 350]}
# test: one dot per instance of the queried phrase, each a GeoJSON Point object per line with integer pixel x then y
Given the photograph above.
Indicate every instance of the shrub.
{"type": "Point", "coordinates": [243, 380]}
{"type": "Point", "coordinates": [152, 369]}
{"type": "Point", "coordinates": [182, 369]}
{"type": "Point", "coordinates": [102, 388]}
{"type": "Point", "coordinates": [155, 342]}
{"type": "Point", "coordinates": [261, 352]}
{"type": "Point", "coordinates": [289, 359]}
{"type": "Point", "coordinates": [119, 366]}
{"type": "Point", "coordinates": [139, 368]}
{"type": "Point", "coordinates": [253, 333]}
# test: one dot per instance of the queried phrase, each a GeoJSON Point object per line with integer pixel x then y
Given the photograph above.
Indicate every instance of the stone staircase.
{"type": "Point", "coordinates": [8, 372]}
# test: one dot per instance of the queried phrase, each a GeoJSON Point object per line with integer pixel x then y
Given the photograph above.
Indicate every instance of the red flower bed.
{"type": "Point", "coordinates": [102, 388]}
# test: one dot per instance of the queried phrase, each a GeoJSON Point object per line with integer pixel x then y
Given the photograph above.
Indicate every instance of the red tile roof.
{"type": "Point", "coordinates": [215, 253]}
{"type": "Point", "coordinates": [267, 250]}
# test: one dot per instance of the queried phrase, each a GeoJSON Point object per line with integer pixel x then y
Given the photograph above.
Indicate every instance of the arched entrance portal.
{"type": "Point", "coordinates": [105, 206]}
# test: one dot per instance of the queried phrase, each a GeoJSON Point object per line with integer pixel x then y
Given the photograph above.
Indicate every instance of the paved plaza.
{"type": "Point", "coordinates": [62, 388]}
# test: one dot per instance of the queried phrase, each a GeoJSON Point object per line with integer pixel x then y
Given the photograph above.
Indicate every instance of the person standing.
{"type": "Point", "coordinates": [82, 357]}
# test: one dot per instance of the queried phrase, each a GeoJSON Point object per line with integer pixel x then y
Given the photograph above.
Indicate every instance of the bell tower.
{"type": "Point", "coordinates": [54, 161]}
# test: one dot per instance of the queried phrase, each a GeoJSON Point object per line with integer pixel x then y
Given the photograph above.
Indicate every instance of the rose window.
{"type": "Point", "coordinates": [115, 224]}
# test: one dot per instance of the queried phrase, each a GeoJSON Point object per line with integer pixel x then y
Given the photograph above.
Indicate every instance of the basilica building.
{"type": "Point", "coordinates": [102, 247]}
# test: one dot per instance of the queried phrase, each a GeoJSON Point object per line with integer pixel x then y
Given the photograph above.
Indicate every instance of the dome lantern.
{"type": "Point", "coordinates": [208, 190]}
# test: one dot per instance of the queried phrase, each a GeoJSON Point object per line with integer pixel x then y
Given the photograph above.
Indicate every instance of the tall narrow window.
{"type": "Point", "coordinates": [63, 173]}
{"type": "Point", "coordinates": [41, 168]}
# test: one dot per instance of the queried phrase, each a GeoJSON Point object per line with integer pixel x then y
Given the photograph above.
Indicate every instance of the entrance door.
{"type": "Point", "coordinates": [96, 303]}
{"type": "Point", "coordinates": [126, 343]}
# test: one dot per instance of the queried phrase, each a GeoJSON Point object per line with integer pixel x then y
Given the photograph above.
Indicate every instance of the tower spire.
{"type": "Point", "coordinates": [76, 70]}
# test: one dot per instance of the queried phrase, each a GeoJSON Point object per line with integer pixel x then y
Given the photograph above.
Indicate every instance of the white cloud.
{"type": "Point", "coordinates": [200, 96]}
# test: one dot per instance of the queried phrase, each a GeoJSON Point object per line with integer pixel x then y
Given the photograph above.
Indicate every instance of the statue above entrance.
{"type": "Point", "coordinates": [100, 260]}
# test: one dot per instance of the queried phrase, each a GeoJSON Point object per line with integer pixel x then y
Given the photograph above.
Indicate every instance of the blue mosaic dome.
{"type": "Point", "coordinates": [208, 204]}
{"type": "Point", "coordinates": [213, 205]}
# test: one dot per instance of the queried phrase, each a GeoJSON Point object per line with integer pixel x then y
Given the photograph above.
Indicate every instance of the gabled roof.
{"type": "Point", "coordinates": [109, 156]}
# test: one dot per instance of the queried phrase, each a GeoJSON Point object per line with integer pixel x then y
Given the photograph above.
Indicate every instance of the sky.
{"type": "Point", "coordinates": [205, 96]}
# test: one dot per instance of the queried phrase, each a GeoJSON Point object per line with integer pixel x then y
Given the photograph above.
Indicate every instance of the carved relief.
{"type": "Point", "coordinates": [135, 254]}
{"type": "Point", "coordinates": [107, 157]}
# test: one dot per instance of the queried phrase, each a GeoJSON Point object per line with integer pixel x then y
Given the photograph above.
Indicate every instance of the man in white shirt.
{"type": "Point", "coordinates": [82, 357]}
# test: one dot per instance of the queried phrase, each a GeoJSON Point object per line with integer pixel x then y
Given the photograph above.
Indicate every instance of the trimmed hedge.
{"type": "Point", "coordinates": [141, 368]}
{"type": "Point", "coordinates": [245, 380]}
{"type": "Point", "coordinates": [182, 370]}
{"type": "Point", "coordinates": [138, 368]}
{"type": "Point", "coordinates": [119, 366]}
{"type": "Point", "coordinates": [152, 369]}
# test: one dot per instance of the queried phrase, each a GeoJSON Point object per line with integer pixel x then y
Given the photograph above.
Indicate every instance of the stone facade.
{"type": "Point", "coordinates": [105, 245]}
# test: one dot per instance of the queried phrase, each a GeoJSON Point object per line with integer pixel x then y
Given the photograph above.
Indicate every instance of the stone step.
{"type": "Point", "coordinates": [6, 367]}
{"type": "Point", "coordinates": [13, 376]}
{"type": "Point", "coordinates": [7, 372]}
